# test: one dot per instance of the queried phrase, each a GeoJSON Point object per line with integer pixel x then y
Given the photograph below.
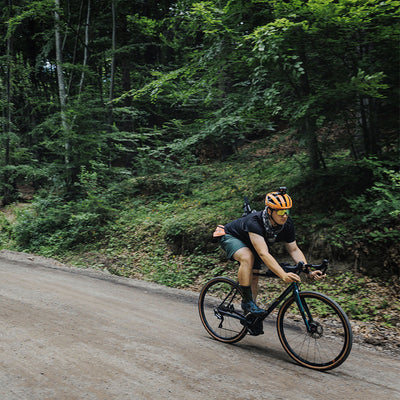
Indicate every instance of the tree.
{"type": "Point", "coordinates": [61, 82]}
{"type": "Point", "coordinates": [313, 64]}
{"type": "Point", "coordinates": [149, 85]}
{"type": "Point", "coordinates": [208, 82]}
{"type": "Point", "coordinates": [7, 189]}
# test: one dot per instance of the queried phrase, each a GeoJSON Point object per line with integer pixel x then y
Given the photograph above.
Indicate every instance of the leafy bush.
{"type": "Point", "coordinates": [60, 226]}
{"type": "Point", "coordinates": [5, 230]}
{"type": "Point", "coordinates": [336, 216]}
{"type": "Point", "coordinates": [186, 232]}
{"type": "Point", "coordinates": [372, 222]}
{"type": "Point", "coordinates": [380, 203]}
{"type": "Point", "coordinates": [55, 225]}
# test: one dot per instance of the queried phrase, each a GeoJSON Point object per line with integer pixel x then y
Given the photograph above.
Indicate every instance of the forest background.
{"type": "Point", "coordinates": [130, 129]}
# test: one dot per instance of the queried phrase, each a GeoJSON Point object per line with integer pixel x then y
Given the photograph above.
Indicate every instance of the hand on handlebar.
{"type": "Point", "coordinates": [317, 275]}
{"type": "Point", "coordinates": [291, 277]}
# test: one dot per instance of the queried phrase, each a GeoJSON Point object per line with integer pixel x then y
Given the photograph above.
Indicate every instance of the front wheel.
{"type": "Point", "coordinates": [327, 341]}
{"type": "Point", "coordinates": [220, 310]}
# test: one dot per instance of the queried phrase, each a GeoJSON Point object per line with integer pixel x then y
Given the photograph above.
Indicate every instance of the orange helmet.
{"type": "Point", "coordinates": [278, 200]}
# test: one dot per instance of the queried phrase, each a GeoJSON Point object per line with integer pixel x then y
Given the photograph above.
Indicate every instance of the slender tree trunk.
{"type": "Point", "coordinates": [367, 107]}
{"type": "Point", "coordinates": [113, 47]}
{"type": "Point", "coordinates": [9, 95]}
{"type": "Point", "coordinates": [309, 131]}
{"type": "Point", "coordinates": [112, 72]}
{"type": "Point", "coordinates": [86, 51]}
{"type": "Point", "coordinates": [368, 125]}
{"type": "Point", "coordinates": [71, 76]}
{"type": "Point", "coordinates": [308, 128]}
{"type": "Point", "coordinates": [125, 63]}
{"type": "Point", "coordinates": [61, 84]}
{"type": "Point", "coordinates": [8, 189]}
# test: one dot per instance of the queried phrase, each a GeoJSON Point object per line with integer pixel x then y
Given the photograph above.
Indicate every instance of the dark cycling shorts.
{"type": "Point", "coordinates": [231, 245]}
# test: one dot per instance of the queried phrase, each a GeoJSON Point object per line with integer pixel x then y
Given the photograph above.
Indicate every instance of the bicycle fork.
{"type": "Point", "coordinates": [304, 310]}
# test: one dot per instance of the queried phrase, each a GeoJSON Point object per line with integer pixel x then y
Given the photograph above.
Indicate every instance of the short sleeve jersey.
{"type": "Point", "coordinates": [254, 223]}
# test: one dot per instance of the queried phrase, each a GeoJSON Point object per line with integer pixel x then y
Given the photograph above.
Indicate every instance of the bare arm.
{"type": "Point", "coordinates": [294, 252]}
{"type": "Point", "coordinates": [262, 250]}
{"type": "Point", "coordinates": [297, 256]}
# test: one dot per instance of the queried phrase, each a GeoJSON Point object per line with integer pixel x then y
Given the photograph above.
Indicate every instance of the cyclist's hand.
{"type": "Point", "coordinates": [316, 275]}
{"type": "Point", "coordinates": [291, 277]}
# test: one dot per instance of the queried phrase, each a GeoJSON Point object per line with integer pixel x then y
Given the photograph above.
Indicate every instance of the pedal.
{"type": "Point", "coordinates": [254, 325]}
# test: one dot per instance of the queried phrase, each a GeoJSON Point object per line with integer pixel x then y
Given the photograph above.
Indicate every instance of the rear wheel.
{"type": "Point", "coordinates": [328, 342]}
{"type": "Point", "coordinates": [220, 310]}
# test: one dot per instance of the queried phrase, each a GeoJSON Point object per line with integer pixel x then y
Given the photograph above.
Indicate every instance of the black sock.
{"type": "Point", "coordinates": [247, 295]}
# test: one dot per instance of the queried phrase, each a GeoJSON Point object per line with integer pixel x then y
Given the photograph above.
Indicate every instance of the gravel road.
{"type": "Point", "coordinates": [68, 333]}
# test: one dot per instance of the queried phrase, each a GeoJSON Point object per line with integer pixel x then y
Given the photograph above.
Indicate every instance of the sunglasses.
{"type": "Point", "coordinates": [282, 212]}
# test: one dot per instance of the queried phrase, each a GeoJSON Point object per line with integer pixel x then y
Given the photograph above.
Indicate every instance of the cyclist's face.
{"type": "Point", "coordinates": [279, 219]}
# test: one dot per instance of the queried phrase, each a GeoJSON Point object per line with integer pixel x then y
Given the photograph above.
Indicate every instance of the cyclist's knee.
{"type": "Point", "coordinates": [245, 257]}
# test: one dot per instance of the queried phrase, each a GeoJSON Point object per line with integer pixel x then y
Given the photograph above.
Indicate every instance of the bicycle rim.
{"type": "Point", "coordinates": [219, 308]}
{"type": "Point", "coordinates": [328, 344]}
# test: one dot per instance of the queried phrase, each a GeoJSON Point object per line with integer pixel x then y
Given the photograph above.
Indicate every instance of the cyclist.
{"type": "Point", "coordinates": [247, 240]}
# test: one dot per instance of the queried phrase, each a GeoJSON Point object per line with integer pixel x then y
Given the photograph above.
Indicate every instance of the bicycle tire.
{"type": "Point", "coordinates": [220, 310]}
{"type": "Point", "coordinates": [330, 342]}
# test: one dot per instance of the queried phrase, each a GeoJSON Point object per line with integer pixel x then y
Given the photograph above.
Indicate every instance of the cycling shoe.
{"type": "Point", "coordinates": [252, 308]}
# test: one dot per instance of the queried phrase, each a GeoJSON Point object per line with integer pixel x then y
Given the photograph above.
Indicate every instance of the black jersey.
{"type": "Point", "coordinates": [254, 223]}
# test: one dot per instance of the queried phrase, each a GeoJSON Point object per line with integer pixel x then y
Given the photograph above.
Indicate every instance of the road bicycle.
{"type": "Point", "coordinates": [312, 328]}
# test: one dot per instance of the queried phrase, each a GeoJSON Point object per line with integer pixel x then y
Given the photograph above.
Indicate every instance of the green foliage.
{"type": "Point", "coordinates": [175, 272]}
{"type": "Point", "coordinates": [5, 231]}
{"type": "Point", "coordinates": [381, 203]}
{"type": "Point", "coordinates": [188, 232]}
{"type": "Point", "coordinates": [371, 221]}
{"type": "Point", "coordinates": [362, 298]}
{"type": "Point", "coordinates": [52, 224]}
{"type": "Point", "coordinates": [287, 58]}
{"type": "Point", "coordinates": [56, 226]}
{"type": "Point", "coordinates": [193, 81]}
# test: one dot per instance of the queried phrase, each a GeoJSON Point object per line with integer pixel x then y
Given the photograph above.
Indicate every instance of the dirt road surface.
{"type": "Point", "coordinates": [68, 333]}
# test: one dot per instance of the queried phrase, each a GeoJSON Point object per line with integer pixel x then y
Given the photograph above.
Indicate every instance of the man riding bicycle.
{"type": "Point", "coordinates": [247, 240]}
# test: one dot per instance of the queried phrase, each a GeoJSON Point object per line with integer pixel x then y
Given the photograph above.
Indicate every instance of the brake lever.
{"type": "Point", "coordinates": [324, 266]}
